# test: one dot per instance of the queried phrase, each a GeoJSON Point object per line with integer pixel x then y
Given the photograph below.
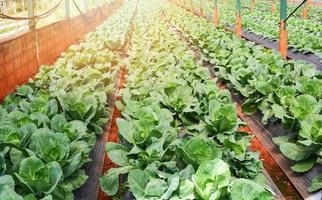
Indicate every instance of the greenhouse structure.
{"type": "Point", "coordinates": [160, 99]}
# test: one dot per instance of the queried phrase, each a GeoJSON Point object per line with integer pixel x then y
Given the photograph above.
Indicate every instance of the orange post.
{"type": "Point", "coordinates": [191, 5]}
{"type": "Point", "coordinates": [216, 17]}
{"type": "Point", "coordinates": [305, 13]}
{"type": "Point", "coordinates": [238, 25]}
{"type": "Point", "coordinates": [283, 40]}
{"type": "Point", "coordinates": [238, 18]}
{"type": "Point", "coordinates": [273, 7]}
{"type": "Point", "coordinates": [306, 9]}
{"type": "Point", "coordinates": [283, 31]}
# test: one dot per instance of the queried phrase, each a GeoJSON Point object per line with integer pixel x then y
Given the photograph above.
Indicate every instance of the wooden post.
{"type": "Point", "coordinates": [283, 30]}
{"type": "Point", "coordinates": [67, 9]}
{"type": "Point", "coordinates": [252, 5]}
{"type": "Point", "coordinates": [238, 19]}
{"type": "Point", "coordinates": [216, 15]}
{"type": "Point", "coordinates": [191, 5]}
{"type": "Point", "coordinates": [31, 14]}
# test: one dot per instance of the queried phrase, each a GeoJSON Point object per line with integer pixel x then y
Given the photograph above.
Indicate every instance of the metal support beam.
{"type": "Point", "coordinates": [283, 9]}
{"type": "Point", "coordinates": [238, 6]}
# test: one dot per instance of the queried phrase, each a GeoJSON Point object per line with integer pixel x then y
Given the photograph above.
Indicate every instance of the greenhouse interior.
{"type": "Point", "coordinates": [160, 99]}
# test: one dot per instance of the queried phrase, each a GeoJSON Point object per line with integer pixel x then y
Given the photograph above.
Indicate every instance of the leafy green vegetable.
{"type": "Point", "coordinates": [39, 177]}
{"type": "Point", "coordinates": [246, 189]}
{"type": "Point", "coordinates": [285, 91]}
{"type": "Point", "coordinates": [212, 179]}
{"type": "Point", "coordinates": [49, 125]}
{"type": "Point", "coordinates": [178, 131]}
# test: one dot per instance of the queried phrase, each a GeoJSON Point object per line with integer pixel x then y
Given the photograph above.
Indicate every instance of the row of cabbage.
{"type": "Point", "coordinates": [286, 91]}
{"type": "Point", "coordinates": [314, 11]}
{"type": "Point", "coordinates": [304, 35]}
{"type": "Point", "coordinates": [179, 136]}
{"type": "Point", "coordinates": [49, 125]}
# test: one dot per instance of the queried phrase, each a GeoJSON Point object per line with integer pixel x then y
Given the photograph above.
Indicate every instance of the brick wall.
{"type": "Point", "coordinates": [20, 57]}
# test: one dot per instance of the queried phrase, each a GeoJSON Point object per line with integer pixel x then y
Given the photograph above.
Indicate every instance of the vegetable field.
{"type": "Point", "coordinates": [161, 101]}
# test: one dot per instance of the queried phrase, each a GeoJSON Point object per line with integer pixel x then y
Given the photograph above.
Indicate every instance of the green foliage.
{"type": "Point", "coordinates": [178, 131]}
{"type": "Point", "coordinates": [286, 91]}
{"type": "Point", "coordinates": [49, 125]}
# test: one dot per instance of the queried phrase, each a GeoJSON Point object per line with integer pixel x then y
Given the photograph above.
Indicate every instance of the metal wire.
{"type": "Point", "coordinates": [303, 2]}
{"type": "Point", "coordinates": [41, 16]}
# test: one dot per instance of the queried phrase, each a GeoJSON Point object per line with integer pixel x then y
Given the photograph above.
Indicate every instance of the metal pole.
{"type": "Point", "coordinates": [67, 9]}
{"type": "Point", "coordinates": [283, 30]}
{"type": "Point", "coordinates": [283, 10]}
{"type": "Point", "coordinates": [31, 14]}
